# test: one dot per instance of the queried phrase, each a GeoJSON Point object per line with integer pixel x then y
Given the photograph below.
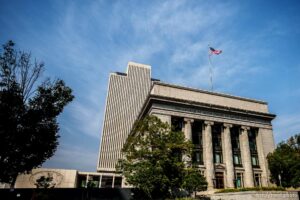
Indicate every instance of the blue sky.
{"type": "Point", "coordinates": [81, 42]}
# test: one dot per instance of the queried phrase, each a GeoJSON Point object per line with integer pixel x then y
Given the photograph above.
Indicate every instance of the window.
{"type": "Point", "coordinates": [177, 123]}
{"type": "Point", "coordinates": [253, 148]}
{"type": "Point", "coordinates": [239, 180]}
{"type": "Point", "coordinates": [254, 159]}
{"type": "Point", "coordinates": [106, 181]}
{"type": "Point", "coordinates": [252, 140]}
{"type": "Point", "coordinates": [197, 156]}
{"type": "Point", "coordinates": [197, 134]}
{"type": "Point", "coordinates": [257, 180]}
{"type": "Point", "coordinates": [235, 140]}
{"type": "Point", "coordinates": [218, 158]}
{"type": "Point", "coordinates": [217, 143]}
{"type": "Point", "coordinates": [118, 182]}
{"type": "Point", "coordinates": [81, 181]}
{"type": "Point", "coordinates": [237, 161]}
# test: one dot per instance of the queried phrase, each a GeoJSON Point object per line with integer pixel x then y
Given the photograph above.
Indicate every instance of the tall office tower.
{"type": "Point", "coordinates": [126, 95]}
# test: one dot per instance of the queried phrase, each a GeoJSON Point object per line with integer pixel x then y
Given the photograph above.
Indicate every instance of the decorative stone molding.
{"type": "Point", "coordinates": [210, 123]}
{"type": "Point", "coordinates": [245, 128]}
{"type": "Point", "coordinates": [226, 125]}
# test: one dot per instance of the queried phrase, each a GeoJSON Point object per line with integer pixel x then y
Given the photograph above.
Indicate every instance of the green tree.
{"type": "Point", "coordinates": [284, 163]}
{"type": "Point", "coordinates": [28, 113]}
{"type": "Point", "coordinates": [194, 181]}
{"type": "Point", "coordinates": [153, 158]}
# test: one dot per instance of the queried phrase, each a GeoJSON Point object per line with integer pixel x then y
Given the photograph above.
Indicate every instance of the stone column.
{"type": "Point", "coordinates": [188, 128]}
{"type": "Point", "coordinates": [262, 159]}
{"type": "Point", "coordinates": [227, 152]}
{"type": "Point", "coordinates": [209, 157]}
{"type": "Point", "coordinates": [246, 157]}
{"type": "Point", "coordinates": [188, 136]}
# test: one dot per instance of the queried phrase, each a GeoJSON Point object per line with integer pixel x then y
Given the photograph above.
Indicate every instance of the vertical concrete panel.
{"type": "Point", "coordinates": [125, 97]}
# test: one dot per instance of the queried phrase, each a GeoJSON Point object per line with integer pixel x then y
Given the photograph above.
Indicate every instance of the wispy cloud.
{"type": "Point", "coordinates": [285, 126]}
{"type": "Point", "coordinates": [73, 157]}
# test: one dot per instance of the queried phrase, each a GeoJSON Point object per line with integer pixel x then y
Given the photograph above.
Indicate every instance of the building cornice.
{"type": "Point", "coordinates": [209, 92]}
{"type": "Point", "coordinates": [156, 98]}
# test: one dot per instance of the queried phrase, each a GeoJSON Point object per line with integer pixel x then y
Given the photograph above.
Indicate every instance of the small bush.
{"type": "Point", "coordinates": [252, 189]}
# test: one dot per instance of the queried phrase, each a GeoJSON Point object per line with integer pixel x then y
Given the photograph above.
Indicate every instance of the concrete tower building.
{"type": "Point", "coordinates": [126, 95]}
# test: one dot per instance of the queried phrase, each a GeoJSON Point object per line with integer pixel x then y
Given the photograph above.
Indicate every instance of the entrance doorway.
{"type": "Point", "coordinates": [219, 183]}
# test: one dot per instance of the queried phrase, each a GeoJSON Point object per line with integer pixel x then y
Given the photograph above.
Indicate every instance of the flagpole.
{"type": "Point", "coordinates": [210, 72]}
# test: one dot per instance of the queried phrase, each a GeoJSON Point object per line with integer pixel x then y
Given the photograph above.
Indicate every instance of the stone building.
{"type": "Point", "coordinates": [231, 135]}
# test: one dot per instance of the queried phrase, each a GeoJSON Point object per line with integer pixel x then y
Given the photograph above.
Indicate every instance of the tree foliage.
{"type": "Point", "coordinates": [284, 163]}
{"type": "Point", "coordinates": [194, 181]}
{"type": "Point", "coordinates": [153, 158]}
{"type": "Point", "coordinates": [28, 113]}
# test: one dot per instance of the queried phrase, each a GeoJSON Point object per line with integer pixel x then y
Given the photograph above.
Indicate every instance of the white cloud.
{"type": "Point", "coordinates": [73, 157]}
{"type": "Point", "coordinates": [285, 126]}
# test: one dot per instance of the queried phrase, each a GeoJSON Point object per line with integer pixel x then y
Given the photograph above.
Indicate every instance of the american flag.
{"type": "Point", "coordinates": [214, 51]}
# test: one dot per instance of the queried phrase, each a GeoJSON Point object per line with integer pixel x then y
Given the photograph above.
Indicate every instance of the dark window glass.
{"type": "Point", "coordinates": [177, 123]}
{"type": "Point", "coordinates": [217, 143]}
{"type": "Point", "coordinates": [235, 140]}
{"type": "Point", "coordinates": [106, 181]}
{"type": "Point", "coordinates": [118, 182]}
{"type": "Point", "coordinates": [81, 181]}
{"type": "Point", "coordinates": [252, 140]}
{"type": "Point", "coordinates": [197, 156]}
{"type": "Point", "coordinates": [197, 134]}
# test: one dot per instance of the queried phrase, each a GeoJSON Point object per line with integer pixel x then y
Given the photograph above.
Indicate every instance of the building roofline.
{"type": "Point", "coordinates": [209, 92]}
{"type": "Point", "coordinates": [216, 107]}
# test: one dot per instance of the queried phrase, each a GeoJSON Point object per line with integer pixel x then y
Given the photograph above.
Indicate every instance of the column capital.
{"type": "Point", "coordinates": [246, 128]}
{"type": "Point", "coordinates": [210, 123]}
{"type": "Point", "coordinates": [225, 125]}
{"type": "Point", "coordinates": [188, 120]}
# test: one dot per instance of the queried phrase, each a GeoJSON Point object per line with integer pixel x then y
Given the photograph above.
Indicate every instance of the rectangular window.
{"type": "Point", "coordinates": [237, 159]}
{"type": "Point", "coordinates": [218, 158]}
{"type": "Point", "coordinates": [254, 159]}
{"type": "Point", "coordinates": [118, 182]}
{"type": "Point", "coordinates": [106, 181]}
{"type": "Point", "coordinates": [257, 180]}
{"type": "Point", "coordinates": [197, 134]}
{"type": "Point", "coordinates": [239, 180]}
{"type": "Point", "coordinates": [197, 156]}
{"type": "Point", "coordinates": [252, 140]}
{"type": "Point", "coordinates": [217, 143]}
{"type": "Point", "coordinates": [81, 181]}
{"type": "Point", "coordinates": [177, 123]}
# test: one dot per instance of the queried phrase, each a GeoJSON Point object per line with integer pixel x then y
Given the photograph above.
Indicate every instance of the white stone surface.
{"type": "Point", "coordinates": [201, 96]}
{"type": "Point", "coordinates": [209, 164]}
{"type": "Point", "coordinates": [62, 178]}
{"type": "Point", "coordinates": [246, 157]}
{"type": "Point", "coordinates": [227, 151]}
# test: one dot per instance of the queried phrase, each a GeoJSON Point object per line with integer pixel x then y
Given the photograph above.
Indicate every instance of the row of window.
{"type": "Point", "coordinates": [238, 182]}
{"type": "Point", "coordinates": [94, 181]}
{"type": "Point", "coordinates": [197, 156]}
